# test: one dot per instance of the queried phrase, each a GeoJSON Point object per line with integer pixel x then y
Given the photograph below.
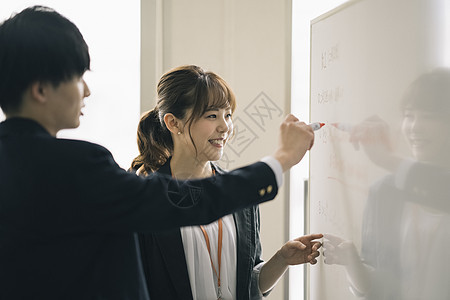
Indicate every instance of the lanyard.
{"type": "Point", "coordinates": [219, 251]}
{"type": "Point", "coordinates": [219, 255]}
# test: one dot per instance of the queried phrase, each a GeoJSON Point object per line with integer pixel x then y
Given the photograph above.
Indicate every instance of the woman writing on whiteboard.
{"type": "Point", "coordinates": [181, 137]}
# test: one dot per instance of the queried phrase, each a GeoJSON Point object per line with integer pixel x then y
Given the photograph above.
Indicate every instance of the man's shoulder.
{"type": "Point", "coordinates": [22, 133]}
{"type": "Point", "coordinates": [79, 145]}
{"type": "Point", "coordinates": [78, 151]}
{"type": "Point", "coordinates": [67, 147]}
{"type": "Point", "coordinates": [66, 153]}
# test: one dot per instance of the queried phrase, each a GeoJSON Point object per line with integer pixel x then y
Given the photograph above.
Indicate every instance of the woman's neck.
{"type": "Point", "coordinates": [189, 167]}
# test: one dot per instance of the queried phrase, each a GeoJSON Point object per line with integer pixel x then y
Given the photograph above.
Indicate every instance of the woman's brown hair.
{"type": "Point", "coordinates": [179, 90]}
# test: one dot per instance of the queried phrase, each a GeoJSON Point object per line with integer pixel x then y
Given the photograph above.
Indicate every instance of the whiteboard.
{"type": "Point", "coordinates": [364, 55]}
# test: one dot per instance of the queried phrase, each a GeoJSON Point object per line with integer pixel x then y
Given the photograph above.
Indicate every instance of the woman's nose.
{"type": "Point", "coordinates": [223, 126]}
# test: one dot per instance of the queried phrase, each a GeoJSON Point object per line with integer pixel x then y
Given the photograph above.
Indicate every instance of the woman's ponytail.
{"type": "Point", "coordinates": [154, 143]}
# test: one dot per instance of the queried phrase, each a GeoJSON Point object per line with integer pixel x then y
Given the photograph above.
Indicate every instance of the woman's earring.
{"type": "Point", "coordinates": [179, 132]}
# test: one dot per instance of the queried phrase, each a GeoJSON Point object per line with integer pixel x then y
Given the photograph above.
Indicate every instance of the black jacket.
{"type": "Point", "coordinates": [68, 214]}
{"type": "Point", "coordinates": [165, 264]}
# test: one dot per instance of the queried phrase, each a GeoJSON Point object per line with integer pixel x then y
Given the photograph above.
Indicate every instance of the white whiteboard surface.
{"type": "Point", "coordinates": [364, 55]}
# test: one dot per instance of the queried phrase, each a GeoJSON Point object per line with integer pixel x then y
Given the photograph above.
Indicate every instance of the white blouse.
{"type": "Point", "coordinates": [201, 274]}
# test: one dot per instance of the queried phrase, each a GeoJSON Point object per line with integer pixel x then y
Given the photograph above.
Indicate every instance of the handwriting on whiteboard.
{"type": "Point", "coordinates": [330, 56]}
{"type": "Point", "coordinates": [329, 96]}
{"type": "Point", "coordinates": [329, 214]}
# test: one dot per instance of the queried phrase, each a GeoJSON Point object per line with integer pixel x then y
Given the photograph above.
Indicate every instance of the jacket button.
{"type": "Point", "coordinates": [269, 189]}
{"type": "Point", "coordinates": [262, 192]}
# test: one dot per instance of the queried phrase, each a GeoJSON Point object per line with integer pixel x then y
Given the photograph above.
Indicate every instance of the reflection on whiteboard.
{"type": "Point", "coordinates": [380, 169]}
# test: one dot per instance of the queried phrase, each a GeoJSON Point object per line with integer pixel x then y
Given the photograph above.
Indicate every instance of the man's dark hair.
{"type": "Point", "coordinates": [38, 44]}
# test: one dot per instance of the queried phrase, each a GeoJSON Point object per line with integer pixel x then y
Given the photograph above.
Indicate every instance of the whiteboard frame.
{"type": "Point", "coordinates": [307, 280]}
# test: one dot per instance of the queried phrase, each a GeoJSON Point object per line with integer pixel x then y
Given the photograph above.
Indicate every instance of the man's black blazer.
{"type": "Point", "coordinates": [69, 213]}
{"type": "Point", "coordinates": [164, 260]}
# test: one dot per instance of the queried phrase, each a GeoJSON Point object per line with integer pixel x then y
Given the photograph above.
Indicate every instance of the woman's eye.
{"type": "Point", "coordinates": [228, 115]}
{"type": "Point", "coordinates": [213, 116]}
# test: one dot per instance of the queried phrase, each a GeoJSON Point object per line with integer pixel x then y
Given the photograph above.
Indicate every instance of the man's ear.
{"type": "Point", "coordinates": [172, 123]}
{"type": "Point", "coordinates": [39, 91]}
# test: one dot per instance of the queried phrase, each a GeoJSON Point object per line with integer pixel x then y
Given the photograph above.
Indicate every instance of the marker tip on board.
{"type": "Point", "coordinates": [316, 126]}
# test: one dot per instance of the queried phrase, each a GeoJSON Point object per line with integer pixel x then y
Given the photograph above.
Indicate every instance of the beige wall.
{"type": "Point", "coordinates": [248, 44]}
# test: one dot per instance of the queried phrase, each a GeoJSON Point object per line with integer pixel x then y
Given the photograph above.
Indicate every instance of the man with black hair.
{"type": "Point", "coordinates": [68, 212]}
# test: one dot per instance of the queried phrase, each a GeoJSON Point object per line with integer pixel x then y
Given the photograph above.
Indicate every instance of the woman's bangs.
{"type": "Point", "coordinates": [220, 96]}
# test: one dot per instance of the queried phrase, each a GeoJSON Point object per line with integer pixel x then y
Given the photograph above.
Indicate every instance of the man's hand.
{"type": "Point", "coordinates": [295, 139]}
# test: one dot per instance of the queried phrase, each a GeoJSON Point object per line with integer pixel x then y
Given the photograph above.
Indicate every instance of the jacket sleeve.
{"type": "Point", "coordinates": [97, 194]}
{"type": "Point", "coordinates": [255, 292]}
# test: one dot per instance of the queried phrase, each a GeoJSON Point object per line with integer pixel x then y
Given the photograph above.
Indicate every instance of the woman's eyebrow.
{"type": "Point", "coordinates": [216, 108]}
